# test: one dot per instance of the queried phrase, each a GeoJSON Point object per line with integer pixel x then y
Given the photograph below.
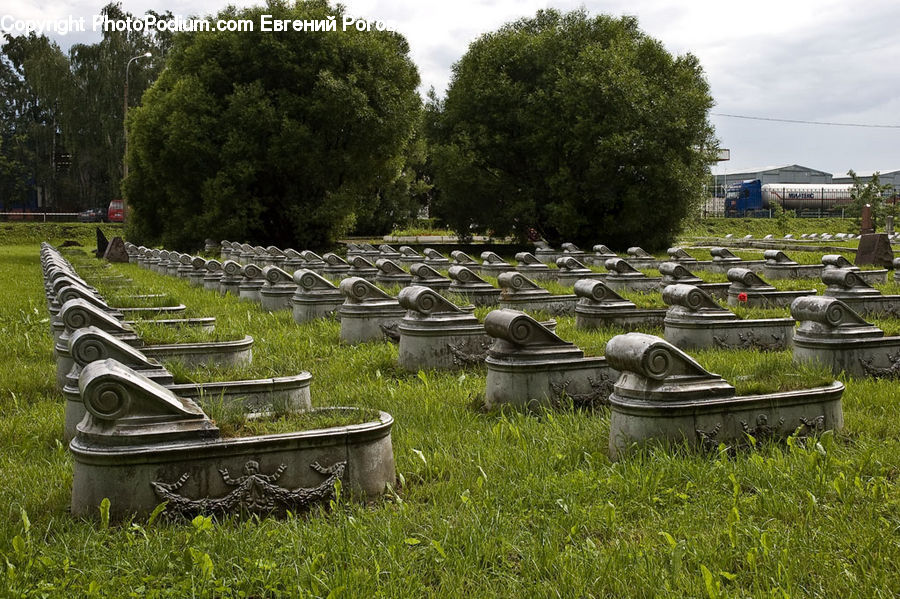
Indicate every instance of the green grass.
{"type": "Point", "coordinates": [503, 504]}
{"type": "Point", "coordinates": [234, 422]}
{"type": "Point", "coordinates": [760, 227]}
{"type": "Point", "coordinates": [422, 232]}
{"type": "Point", "coordinates": [57, 233]}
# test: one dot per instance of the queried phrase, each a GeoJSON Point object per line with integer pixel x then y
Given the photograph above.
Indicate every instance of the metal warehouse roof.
{"type": "Point", "coordinates": [765, 169]}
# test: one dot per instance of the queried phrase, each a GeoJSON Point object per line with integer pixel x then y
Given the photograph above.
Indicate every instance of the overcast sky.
{"type": "Point", "coordinates": [813, 60]}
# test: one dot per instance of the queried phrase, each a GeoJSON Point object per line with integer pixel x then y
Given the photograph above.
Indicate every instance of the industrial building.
{"type": "Point", "coordinates": [791, 173]}
{"type": "Point", "coordinates": [884, 177]}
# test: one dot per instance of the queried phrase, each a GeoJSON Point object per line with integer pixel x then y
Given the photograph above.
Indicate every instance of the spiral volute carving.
{"type": "Point", "coordinates": [517, 281]}
{"type": "Point", "coordinates": [680, 272]}
{"type": "Point", "coordinates": [389, 267]}
{"type": "Point", "coordinates": [462, 274]}
{"type": "Point", "coordinates": [333, 259]}
{"type": "Point", "coordinates": [521, 329]}
{"type": "Point", "coordinates": [86, 349]}
{"type": "Point", "coordinates": [657, 362]}
{"type": "Point", "coordinates": [835, 314]}
{"type": "Point", "coordinates": [107, 400]}
{"type": "Point", "coordinates": [232, 269]}
{"type": "Point", "coordinates": [307, 279]}
{"type": "Point", "coordinates": [275, 275]}
{"type": "Point", "coordinates": [67, 293]}
{"type": "Point", "coordinates": [594, 290]}
{"type": "Point", "coordinates": [75, 316]}
{"type": "Point", "coordinates": [696, 299]}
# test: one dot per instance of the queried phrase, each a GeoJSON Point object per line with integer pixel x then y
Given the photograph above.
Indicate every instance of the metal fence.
{"type": "Point", "coordinates": [44, 217]}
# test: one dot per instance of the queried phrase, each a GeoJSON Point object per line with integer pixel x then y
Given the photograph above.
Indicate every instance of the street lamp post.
{"type": "Point", "coordinates": [125, 114]}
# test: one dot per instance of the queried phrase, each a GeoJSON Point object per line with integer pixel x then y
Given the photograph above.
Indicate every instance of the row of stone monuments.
{"type": "Point", "coordinates": [139, 439]}
{"type": "Point", "coordinates": [693, 319]}
{"type": "Point", "coordinates": [528, 364]}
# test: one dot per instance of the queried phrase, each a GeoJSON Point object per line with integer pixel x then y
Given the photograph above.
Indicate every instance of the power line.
{"type": "Point", "coordinates": [801, 122]}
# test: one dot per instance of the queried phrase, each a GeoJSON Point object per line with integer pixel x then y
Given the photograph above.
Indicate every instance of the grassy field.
{"type": "Point", "coordinates": [759, 227]}
{"type": "Point", "coordinates": [486, 504]}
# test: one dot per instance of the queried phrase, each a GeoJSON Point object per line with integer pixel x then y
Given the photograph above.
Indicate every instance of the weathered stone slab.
{"type": "Point", "coordinates": [680, 255]}
{"type": "Point", "coordinates": [312, 261]}
{"type": "Point", "coordinates": [436, 334]}
{"type": "Point", "coordinates": [315, 296]}
{"type": "Point", "coordinates": [389, 273]}
{"type": "Point", "coordinates": [142, 445]}
{"type": "Point", "coordinates": [545, 253]}
{"type": "Point", "coordinates": [198, 271]}
{"type": "Point", "coordinates": [749, 289]}
{"type": "Point", "coordinates": [640, 258]}
{"type": "Point", "coordinates": [779, 266]}
{"type": "Point", "coordinates": [387, 252]}
{"type": "Point", "coordinates": [252, 282]}
{"type": "Point", "coordinates": [336, 268]}
{"type": "Point", "coordinates": [664, 395]}
{"type": "Point", "coordinates": [875, 248]}
{"type": "Point", "coordinates": [492, 264]}
{"type": "Point", "coordinates": [518, 292]}
{"type": "Point", "coordinates": [463, 259]}
{"type": "Point", "coordinates": [569, 270]}
{"type": "Point", "coordinates": [599, 306]}
{"type": "Point", "coordinates": [474, 288]}
{"type": "Point", "coordinates": [435, 259]}
{"type": "Point", "coordinates": [360, 266]}
{"type": "Point", "coordinates": [623, 275]}
{"type": "Point", "coordinates": [213, 275]}
{"type": "Point", "coordinates": [409, 255]}
{"type": "Point", "coordinates": [600, 256]}
{"type": "Point", "coordinates": [870, 276]}
{"type": "Point", "coordinates": [695, 321]}
{"type": "Point", "coordinates": [723, 260]}
{"type": "Point", "coordinates": [529, 366]}
{"type": "Point", "coordinates": [368, 313]}
{"type": "Point", "coordinates": [232, 277]}
{"type": "Point", "coordinates": [277, 291]}
{"type": "Point", "coordinates": [425, 275]}
{"type": "Point", "coordinates": [832, 334]}
{"type": "Point", "coordinates": [571, 250]}
{"type": "Point", "coordinates": [529, 265]}
{"type": "Point", "coordinates": [676, 272]}
{"type": "Point", "coordinates": [115, 251]}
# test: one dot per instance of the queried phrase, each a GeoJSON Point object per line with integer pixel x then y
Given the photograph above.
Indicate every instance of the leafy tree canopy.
{"type": "Point", "coordinates": [276, 137]}
{"type": "Point", "coordinates": [879, 196]}
{"type": "Point", "coordinates": [61, 115]}
{"type": "Point", "coordinates": [583, 128]}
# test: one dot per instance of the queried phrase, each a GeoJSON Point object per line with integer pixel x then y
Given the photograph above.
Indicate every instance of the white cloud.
{"type": "Point", "coordinates": [822, 60]}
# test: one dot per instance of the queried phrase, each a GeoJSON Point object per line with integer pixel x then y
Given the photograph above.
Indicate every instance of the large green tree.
{"type": "Point", "coordinates": [583, 128]}
{"type": "Point", "coordinates": [275, 137]}
{"type": "Point", "coordinates": [61, 117]}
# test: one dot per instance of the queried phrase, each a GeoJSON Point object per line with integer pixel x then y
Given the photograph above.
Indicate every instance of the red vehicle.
{"type": "Point", "coordinates": [116, 212]}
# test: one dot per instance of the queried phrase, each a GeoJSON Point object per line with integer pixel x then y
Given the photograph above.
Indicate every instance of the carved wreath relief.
{"type": "Point", "coordinates": [749, 340]}
{"type": "Point", "coordinates": [254, 492]}
{"type": "Point", "coordinates": [599, 394]}
{"type": "Point", "coordinates": [463, 356]}
{"type": "Point", "coordinates": [391, 331]}
{"type": "Point", "coordinates": [708, 439]}
{"type": "Point", "coordinates": [891, 372]}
